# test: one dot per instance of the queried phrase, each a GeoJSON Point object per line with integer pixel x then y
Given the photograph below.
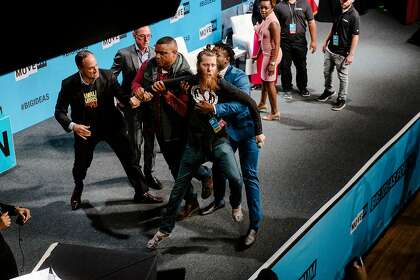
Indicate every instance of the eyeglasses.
{"type": "Point", "coordinates": [143, 36]}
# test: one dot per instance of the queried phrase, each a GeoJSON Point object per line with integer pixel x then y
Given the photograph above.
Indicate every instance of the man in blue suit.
{"type": "Point", "coordinates": [240, 128]}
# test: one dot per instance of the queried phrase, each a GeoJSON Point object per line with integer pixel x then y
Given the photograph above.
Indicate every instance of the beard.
{"type": "Point", "coordinates": [207, 82]}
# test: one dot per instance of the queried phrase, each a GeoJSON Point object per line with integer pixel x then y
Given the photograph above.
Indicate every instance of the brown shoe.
{"type": "Point", "coordinates": [191, 208]}
{"type": "Point", "coordinates": [206, 187]}
{"type": "Point", "coordinates": [76, 200]}
{"type": "Point", "coordinates": [147, 198]}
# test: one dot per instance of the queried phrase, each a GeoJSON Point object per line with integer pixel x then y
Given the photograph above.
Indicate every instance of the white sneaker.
{"type": "Point", "coordinates": [237, 215]}
{"type": "Point", "coordinates": [159, 236]}
{"type": "Point", "coordinates": [250, 238]}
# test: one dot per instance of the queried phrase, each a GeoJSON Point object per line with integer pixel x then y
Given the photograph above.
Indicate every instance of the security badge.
{"type": "Point", "coordinates": [335, 39]}
{"type": "Point", "coordinates": [210, 97]}
{"type": "Point", "coordinates": [292, 28]}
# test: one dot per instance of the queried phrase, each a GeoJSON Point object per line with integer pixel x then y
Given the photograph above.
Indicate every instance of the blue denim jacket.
{"type": "Point", "coordinates": [240, 125]}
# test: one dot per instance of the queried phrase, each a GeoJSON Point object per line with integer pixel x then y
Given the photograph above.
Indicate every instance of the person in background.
{"type": "Point", "coordinates": [339, 47]}
{"type": "Point", "coordinates": [269, 36]}
{"type": "Point", "coordinates": [139, 124]}
{"type": "Point", "coordinates": [294, 16]}
{"type": "Point", "coordinates": [8, 267]}
{"type": "Point", "coordinates": [90, 94]}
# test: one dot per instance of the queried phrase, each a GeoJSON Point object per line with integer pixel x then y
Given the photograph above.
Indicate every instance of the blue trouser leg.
{"type": "Point", "coordinates": [191, 160]}
{"type": "Point", "coordinates": [248, 155]}
{"type": "Point", "coordinates": [225, 158]}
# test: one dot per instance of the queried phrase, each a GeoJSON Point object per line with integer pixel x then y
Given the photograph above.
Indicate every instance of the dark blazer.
{"type": "Point", "coordinates": [126, 61]}
{"type": "Point", "coordinates": [71, 95]}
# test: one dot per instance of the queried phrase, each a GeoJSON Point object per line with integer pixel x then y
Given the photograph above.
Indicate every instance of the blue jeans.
{"type": "Point", "coordinates": [192, 158]}
{"type": "Point", "coordinates": [248, 155]}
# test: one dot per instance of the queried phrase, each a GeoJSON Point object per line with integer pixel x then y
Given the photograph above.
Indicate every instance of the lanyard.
{"type": "Point", "coordinates": [291, 13]}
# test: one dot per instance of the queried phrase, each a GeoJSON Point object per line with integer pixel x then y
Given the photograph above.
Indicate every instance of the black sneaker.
{"type": "Point", "coordinates": [304, 93]}
{"type": "Point", "coordinates": [339, 105]}
{"type": "Point", "coordinates": [325, 95]}
{"type": "Point", "coordinates": [153, 182]}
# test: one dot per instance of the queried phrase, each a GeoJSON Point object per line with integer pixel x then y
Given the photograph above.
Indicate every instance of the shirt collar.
{"type": "Point", "coordinates": [83, 81]}
{"type": "Point", "coordinates": [347, 10]}
{"type": "Point", "coordinates": [139, 51]}
{"type": "Point", "coordinates": [222, 73]}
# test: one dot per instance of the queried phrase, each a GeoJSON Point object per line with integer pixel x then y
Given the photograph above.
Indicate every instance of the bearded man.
{"type": "Point", "coordinates": [207, 140]}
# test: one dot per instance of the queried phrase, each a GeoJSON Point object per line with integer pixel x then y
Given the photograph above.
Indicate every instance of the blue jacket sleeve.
{"type": "Point", "coordinates": [229, 108]}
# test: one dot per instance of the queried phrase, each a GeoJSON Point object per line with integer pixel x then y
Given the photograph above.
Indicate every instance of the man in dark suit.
{"type": "Point", "coordinates": [7, 260]}
{"type": "Point", "coordinates": [90, 94]}
{"type": "Point", "coordinates": [139, 123]}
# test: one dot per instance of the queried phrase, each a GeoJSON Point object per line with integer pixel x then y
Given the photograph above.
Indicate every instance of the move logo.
{"type": "Point", "coordinates": [107, 43]}
{"type": "Point", "coordinates": [310, 272]}
{"type": "Point", "coordinates": [359, 218]}
{"type": "Point", "coordinates": [383, 191]}
{"type": "Point", "coordinates": [206, 2]}
{"type": "Point", "coordinates": [182, 10]}
{"type": "Point", "coordinates": [35, 101]}
{"type": "Point", "coordinates": [207, 29]}
{"type": "Point", "coordinates": [27, 71]}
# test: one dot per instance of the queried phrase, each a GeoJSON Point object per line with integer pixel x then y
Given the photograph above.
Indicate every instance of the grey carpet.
{"type": "Point", "coordinates": [309, 155]}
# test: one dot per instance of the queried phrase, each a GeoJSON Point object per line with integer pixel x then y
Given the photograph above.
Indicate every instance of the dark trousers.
{"type": "Point", "coordinates": [172, 153]}
{"type": "Point", "coordinates": [294, 50]}
{"type": "Point", "coordinates": [193, 156]}
{"type": "Point", "coordinates": [118, 140]}
{"type": "Point", "coordinates": [140, 130]}
{"type": "Point", "coordinates": [7, 260]}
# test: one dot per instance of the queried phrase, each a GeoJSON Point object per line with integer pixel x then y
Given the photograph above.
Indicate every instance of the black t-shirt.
{"type": "Point", "coordinates": [345, 26]}
{"type": "Point", "coordinates": [297, 13]}
{"type": "Point", "coordinates": [90, 96]}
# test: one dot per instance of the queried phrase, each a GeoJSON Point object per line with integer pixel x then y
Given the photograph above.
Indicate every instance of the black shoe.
{"type": "Point", "coordinates": [339, 105]}
{"type": "Point", "coordinates": [212, 207]}
{"type": "Point", "coordinates": [325, 95]}
{"type": "Point", "coordinates": [206, 187]}
{"type": "Point", "coordinates": [304, 93]}
{"type": "Point", "coordinates": [76, 200]}
{"type": "Point", "coordinates": [191, 208]}
{"type": "Point", "coordinates": [153, 182]}
{"type": "Point", "coordinates": [147, 198]}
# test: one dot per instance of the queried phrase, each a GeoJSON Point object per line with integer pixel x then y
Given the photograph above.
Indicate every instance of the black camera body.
{"type": "Point", "coordinates": [19, 220]}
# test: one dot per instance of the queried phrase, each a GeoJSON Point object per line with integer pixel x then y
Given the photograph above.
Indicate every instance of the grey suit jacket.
{"type": "Point", "coordinates": [127, 62]}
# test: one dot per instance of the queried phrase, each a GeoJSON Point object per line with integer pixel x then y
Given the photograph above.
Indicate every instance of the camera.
{"type": "Point", "coordinates": [19, 220]}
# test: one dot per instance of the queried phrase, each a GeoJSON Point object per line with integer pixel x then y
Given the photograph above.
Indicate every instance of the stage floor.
{"type": "Point", "coordinates": [309, 155]}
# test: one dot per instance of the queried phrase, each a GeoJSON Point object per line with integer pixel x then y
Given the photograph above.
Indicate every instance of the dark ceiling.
{"type": "Point", "coordinates": [35, 32]}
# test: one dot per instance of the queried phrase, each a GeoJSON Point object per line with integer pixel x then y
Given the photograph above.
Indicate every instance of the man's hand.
{"type": "Point", "coordinates": [139, 93]}
{"type": "Point", "coordinates": [25, 213]}
{"type": "Point", "coordinates": [324, 47]}
{"type": "Point", "coordinates": [159, 87]}
{"type": "Point", "coordinates": [5, 221]}
{"type": "Point", "coordinates": [82, 130]}
{"type": "Point", "coordinates": [349, 59]}
{"type": "Point", "coordinates": [312, 47]}
{"type": "Point", "coordinates": [147, 96]}
{"type": "Point", "coordinates": [185, 86]}
{"type": "Point", "coordinates": [260, 140]}
{"type": "Point", "coordinates": [134, 102]}
{"type": "Point", "coordinates": [204, 107]}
